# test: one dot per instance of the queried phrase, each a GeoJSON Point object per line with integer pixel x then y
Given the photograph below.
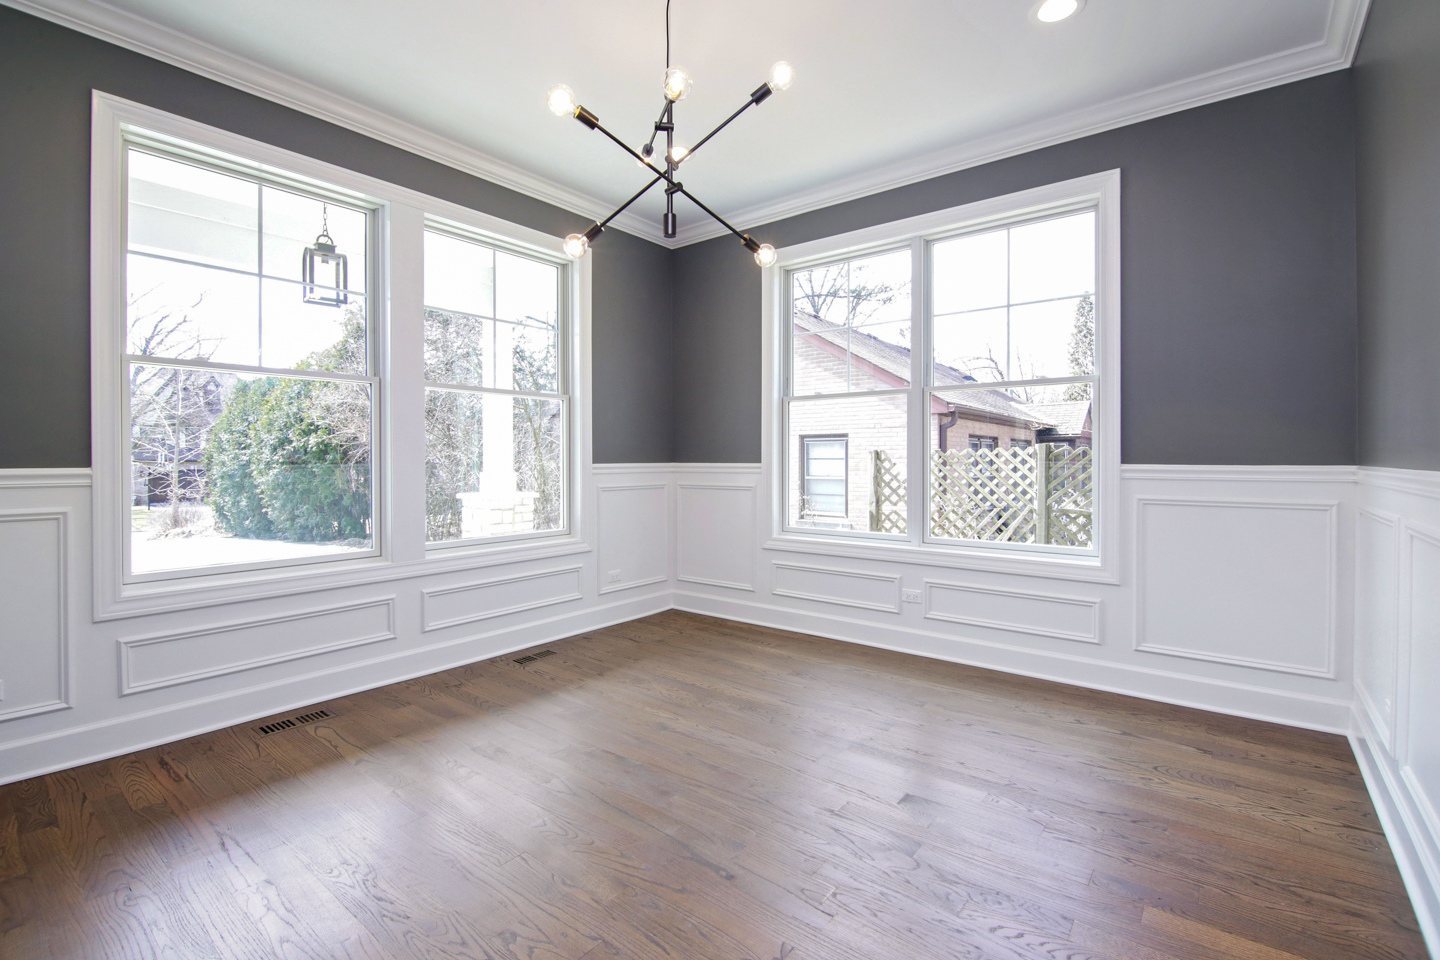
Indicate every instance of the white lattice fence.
{"type": "Point", "coordinates": [1005, 496]}
{"type": "Point", "coordinates": [887, 494]}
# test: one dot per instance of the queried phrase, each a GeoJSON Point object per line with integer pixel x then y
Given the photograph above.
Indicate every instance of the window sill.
{"type": "Point", "coordinates": [1090, 569]}
{"type": "Point", "coordinates": [139, 599]}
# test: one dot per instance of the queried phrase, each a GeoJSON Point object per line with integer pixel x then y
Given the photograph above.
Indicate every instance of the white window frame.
{"type": "Point", "coordinates": [460, 231]}
{"type": "Point", "coordinates": [396, 316]}
{"type": "Point", "coordinates": [1100, 192]}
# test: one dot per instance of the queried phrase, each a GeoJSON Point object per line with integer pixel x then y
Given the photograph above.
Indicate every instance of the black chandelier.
{"type": "Point", "coordinates": [676, 86]}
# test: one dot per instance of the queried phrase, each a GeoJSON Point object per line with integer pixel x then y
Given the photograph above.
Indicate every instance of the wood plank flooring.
{"type": "Point", "coordinates": [683, 787]}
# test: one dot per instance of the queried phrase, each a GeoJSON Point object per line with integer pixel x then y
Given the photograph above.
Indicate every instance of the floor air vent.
{"type": "Point", "coordinates": [531, 658]}
{"type": "Point", "coordinates": [268, 728]}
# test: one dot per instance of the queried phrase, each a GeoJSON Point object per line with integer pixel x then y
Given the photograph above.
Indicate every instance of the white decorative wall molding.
{"type": "Point", "coordinates": [45, 477]}
{"type": "Point", "coordinates": [714, 535]}
{"type": "Point", "coordinates": [1232, 697]}
{"type": "Point", "coordinates": [1377, 610]}
{"type": "Point", "coordinates": [1246, 472]}
{"type": "Point", "coordinates": [163, 660]}
{"type": "Point", "coordinates": [1081, 614]}
{"type": "Point", "coordinates": [1420, 483]}
{"type": "Point", "coordinates": [634, 534]}
{"type": "Point", "coordinates": [35, 652]}
{"type": "Point", "coordinates": [1253, 603]}
{"type": "Point", "coordinates": [471, 602]}
{"type": "Point", "coordinates": [866, 590]}
{"type": "Point", "coordinates": [1410, 831]}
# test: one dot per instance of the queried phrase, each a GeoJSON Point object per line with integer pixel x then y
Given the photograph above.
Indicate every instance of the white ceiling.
{"type": "Point", "coordinates": [885, 93]}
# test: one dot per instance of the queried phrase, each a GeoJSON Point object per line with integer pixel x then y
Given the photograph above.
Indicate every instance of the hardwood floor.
{"type": "Point", "coordinates": [682, 787]}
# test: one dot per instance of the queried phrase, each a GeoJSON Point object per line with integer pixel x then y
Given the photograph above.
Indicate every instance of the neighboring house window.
{"type": "Point", "coordinates": [495, 392]}
{"type": "Point", "coordinates": [250, 394]}
{"type": "Point", "coordinates": [1003, 340]}
{"type": "Point", "coordinates": [826, 469]}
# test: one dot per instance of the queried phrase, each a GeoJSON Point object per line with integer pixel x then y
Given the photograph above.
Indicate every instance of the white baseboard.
{"type": "Point", "coordinates": [1235, 699]}
{"type": "Point", "coordinates": [101, 740]}
{"type": "Point", "coordinates": [1417, 853]}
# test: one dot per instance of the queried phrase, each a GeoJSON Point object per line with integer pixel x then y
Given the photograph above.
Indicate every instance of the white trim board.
{"type": "Point", "coordinates": [1335, 52]}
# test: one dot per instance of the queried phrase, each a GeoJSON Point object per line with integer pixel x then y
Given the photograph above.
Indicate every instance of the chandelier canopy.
{"type": "Point", "coordinates": [675, 86]}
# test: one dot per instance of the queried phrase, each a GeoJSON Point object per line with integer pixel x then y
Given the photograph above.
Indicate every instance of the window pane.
{"type": "Point", "coordinates": [1053, 258]}
{"type": "Point", "coordinates": [873, 470]}
{"type": "Point", "coordinates": [180, 210]}
{"type": "Point", "coordinates": [971, 273]}
{"type": "Point", "coordinates": [231, 468]}
{"type": "Point", "coordinates": [507, 481]}
{"type": "Point", "coordinates": [180, 311]}
{"type": "Point", "coordinates": [1008, 472]}
{"type": "Point", "coordinates": [310, 336]}
{"type": "Point", "coordinates": [527, 293]}
{"type": "Point", "coordinates": [874, 290]}
{"type": "Point", "coordinates": [852, 360]}
{"type": "Point", "coordinates": [293, 222]}
{"type": "Point", "coordinates": [456, 345]}
{"type": "Point", "coordinates": [972, 346]}
{"type": "Point", "coordinates": [459, 275]}
{"type": "Point", "coordinates": [1055, 338]}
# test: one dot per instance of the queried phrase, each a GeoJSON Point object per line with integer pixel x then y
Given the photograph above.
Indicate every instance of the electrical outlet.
{"type": "Point", "coordinates": [613, 576]}
{"type": "Point", "coordinates": [910, 596]}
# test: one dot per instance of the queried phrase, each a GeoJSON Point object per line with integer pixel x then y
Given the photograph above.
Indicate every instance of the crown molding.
{"type": "Point", "coordinates": [1335, 52]}
{"type": "Point", "coordinates": [146, 37]}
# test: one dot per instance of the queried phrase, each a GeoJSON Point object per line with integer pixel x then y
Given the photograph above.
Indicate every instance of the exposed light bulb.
{"type": "Point", "coordinates": [765, 256]}
{"type": "Point", "coordinates": [677, 84]}
{"type": "Point", "coordinates": [576, 245]}
{"type": "Point", "coordinates": [781, 76]}
{"type": "Point", "coordinates": [1053, 11]}
{"type": "Point", "coordinates": [561, 100]}
{"type": "Point", "coordinates": [678, 153]}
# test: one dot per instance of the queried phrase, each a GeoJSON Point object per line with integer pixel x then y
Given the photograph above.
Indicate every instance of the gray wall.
{"type": "Point", "coordinates": [46, 75]}
{"type": "Point", "coordinates": [1239, 291]}
{"type": "Point", "coordinates": [1397, 82]}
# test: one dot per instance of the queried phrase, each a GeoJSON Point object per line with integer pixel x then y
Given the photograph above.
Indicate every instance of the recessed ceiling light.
{"type": "Point", "coordinates": [1053, 11]}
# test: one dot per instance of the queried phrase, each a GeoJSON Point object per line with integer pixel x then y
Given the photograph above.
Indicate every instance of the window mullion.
{"type": "Point", "coordinates": [917, 454]}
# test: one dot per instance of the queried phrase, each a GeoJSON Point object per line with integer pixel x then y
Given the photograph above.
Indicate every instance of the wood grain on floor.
{"type": "Point", "coordinates": [684, 787]}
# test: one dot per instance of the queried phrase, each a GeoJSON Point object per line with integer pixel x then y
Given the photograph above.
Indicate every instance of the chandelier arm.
{"type": "Point", "coordinates": [719, 219]}
{"type": "Point", "coordinates": [626, 147]}
{"type": "Point", "coordinates": [747, 106]}
{"type": "Point", "coordinates": [638, 194]}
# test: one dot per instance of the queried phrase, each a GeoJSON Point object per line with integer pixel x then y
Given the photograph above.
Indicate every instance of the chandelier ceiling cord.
{"type": "Point", "coordinates": [675, 87]}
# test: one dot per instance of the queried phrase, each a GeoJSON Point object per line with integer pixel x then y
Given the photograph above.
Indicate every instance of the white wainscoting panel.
{"type": "Point", "coordinates": [34, 669]}
{"type": "Point", "coordinates": [1018, 611]}
{"type": "Point", "coordinates": [1377, 583]}
{"type": "Point", "coordinates": [492, 597]}
{"type": "Point", "coordinates": [1397, 668]}
{"type": "Point", "coordinates": [1209, 586]}
{"type": "Point", "coordinates": [634, 534]}
{"type": "Point", "coordinates": [715, 539]}
{"type": "Point", "coordinates": [847, 588]}
{"type": "Point", "coordinates": [169, 659]}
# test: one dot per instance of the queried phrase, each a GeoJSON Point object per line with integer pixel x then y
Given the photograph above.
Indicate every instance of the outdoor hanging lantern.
{"type": "Point", "coordinates": [676, 86]}
{"type": "Point", "coordinates": [323, 269]}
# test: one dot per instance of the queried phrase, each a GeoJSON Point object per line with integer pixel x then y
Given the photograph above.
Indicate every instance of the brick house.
{"type": "Point", "coordinates": [831, 442]}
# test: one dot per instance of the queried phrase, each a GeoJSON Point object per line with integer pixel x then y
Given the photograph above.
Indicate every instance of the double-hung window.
{"type": "Point", "coordinates": [301, 369]}
{"type": "Point", "coordinates": [496, 406]}
{"type": "Point", "coordinates": [249, 367]}
{"type": "Point", "coordinates": [970, 358]}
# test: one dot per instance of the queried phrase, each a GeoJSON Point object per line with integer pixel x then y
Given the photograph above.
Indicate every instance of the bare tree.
{"type": "Point", "coordinates": [171, 407]}
{"type": "Point", "coordinates": [831, 295]}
